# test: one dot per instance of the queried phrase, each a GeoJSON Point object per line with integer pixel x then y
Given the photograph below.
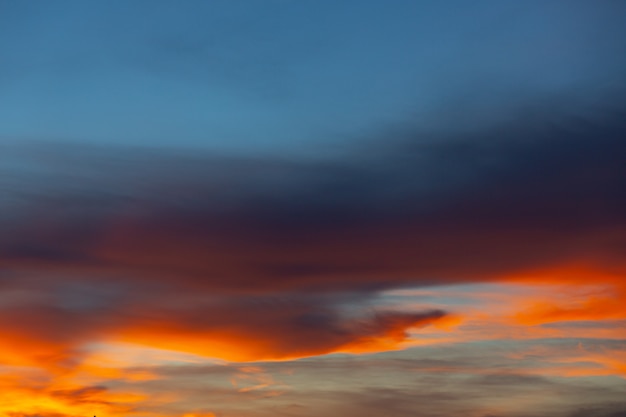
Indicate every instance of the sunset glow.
{"type": "Point", "coordinates": [240, 208]}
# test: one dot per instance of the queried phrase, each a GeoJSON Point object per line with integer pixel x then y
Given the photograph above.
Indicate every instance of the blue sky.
{"type": "Point", "coordinates": [290, 76]}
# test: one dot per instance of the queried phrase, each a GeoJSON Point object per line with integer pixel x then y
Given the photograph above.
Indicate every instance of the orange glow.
{"type": "Point", "coordinates": [587, 294]}
{"type": "Point", "coordinates": [238, 346]}
{"type": "Point", "coordinates": [56, 376]}
{"type": "Point", "coordinates": [24, 397]}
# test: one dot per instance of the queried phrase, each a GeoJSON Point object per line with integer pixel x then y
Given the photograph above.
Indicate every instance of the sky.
{"type": "Point", "coordinates": [312, 208]}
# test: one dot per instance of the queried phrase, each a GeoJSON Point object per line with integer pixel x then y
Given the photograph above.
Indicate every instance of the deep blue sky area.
{"type": "Point", "coordinates": [286, 76]}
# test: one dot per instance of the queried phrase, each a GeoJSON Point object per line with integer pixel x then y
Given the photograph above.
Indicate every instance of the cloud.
{"type": "Point", "coordinates": [137, 281]}
{"type": "Point", "coordinates": [525, 195]}
{"type": "Point", "coordinates": [271, 259]}
{"type": "Point", "coordinates": [484, 381]}
{"type": "Point", "coordinates": [274, 332]}
{"type": "Point", "coordinates": [81, 396]}
{"type": "Point", "coordinates": [24, 394]}
{"type": "Point", "coordinates": [238, 328]}
{"type": "Point", "coordinates": [604, 410]}
{"type": "Point", "coordinates": [44, 414]}
{"type": "Point", "coordinates": [144, 244]}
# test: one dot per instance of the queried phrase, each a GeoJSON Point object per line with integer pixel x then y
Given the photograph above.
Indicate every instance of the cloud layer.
{"type": "Point", "coordinates": [274, 259]}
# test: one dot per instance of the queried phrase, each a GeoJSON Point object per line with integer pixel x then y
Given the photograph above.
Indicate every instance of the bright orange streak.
{"type": "Point", "coordinates": [19, 396]}
{"type": "Point", "coordinates": [238, 346]}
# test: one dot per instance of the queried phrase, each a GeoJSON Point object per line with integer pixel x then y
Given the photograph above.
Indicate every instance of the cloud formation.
{"type": "Point", "coordinates": [273, 259]}
{"type": "Point", "coordinates": [526, 195]}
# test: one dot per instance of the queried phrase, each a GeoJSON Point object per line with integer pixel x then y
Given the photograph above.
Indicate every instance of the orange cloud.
{"type": "Point", "coordinates": [283, 338]}
{"type": "Point", "coordinates": [272, 260]}
{"type": "Point", "coordinates": [584, 293]}
{"type": "Point", "coordinates": [56, 397]}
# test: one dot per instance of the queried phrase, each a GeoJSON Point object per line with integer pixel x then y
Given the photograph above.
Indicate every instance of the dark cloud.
{"type": "Point", "coordinates": [290, 247]}
{"type": "Point", "coordinates": [526, 194]}
{"type": "Point", "coordinates": [62, 316]}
